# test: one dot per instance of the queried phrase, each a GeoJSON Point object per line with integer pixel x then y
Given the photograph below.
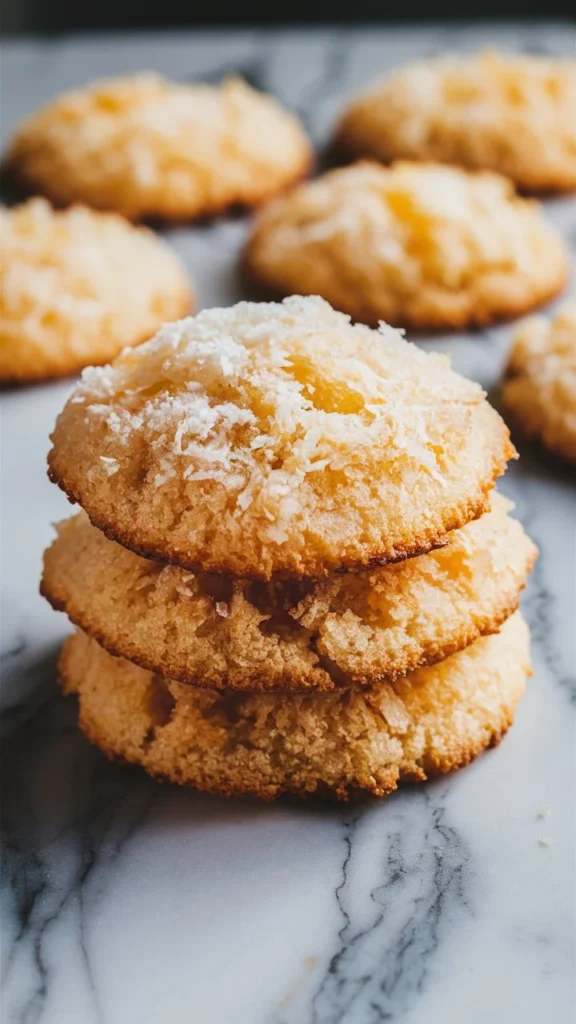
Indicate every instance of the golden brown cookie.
{"type": "Point", "coordinates": [268, 439]}
{"type": "Point", "coordinates": [502, 112]}
{"type": "Point", "coordinates": [146, 147]}
{"type": "Point", "coordinates": [422, 245]}
{"type": "Point", "coordinates": [77, 287]}
{"type": "Point", "coordinates": [539, 390]}
{"type": "Point", "coordinates": [353, 629]}
{"type": "Point", "coordinates": [337, 744]}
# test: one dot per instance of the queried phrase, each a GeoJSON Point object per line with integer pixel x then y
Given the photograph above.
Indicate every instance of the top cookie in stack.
{"type": "Point", "coordinates": [278, 439]}
{"type": "Point", "coordinates": [287, 463]}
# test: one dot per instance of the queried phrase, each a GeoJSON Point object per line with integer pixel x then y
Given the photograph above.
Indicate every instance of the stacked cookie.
{"type": "Point", "coordinates": [291, 573]}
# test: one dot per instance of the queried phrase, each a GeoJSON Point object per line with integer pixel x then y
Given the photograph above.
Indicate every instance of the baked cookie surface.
{"type": "Point", "coordinates": [237, 635]}
{"type": "Point", "coordinates": [539, 389]}
{"type": "Point", "coordinates": [338, 745]}
{"type": "Point", "coordinates": [420, 245]}
{"type": "Point", "coordinates": [270, 438]}
{"type": "Point", "coordinates": [502, 112]}
{"type": "Point", "coordinates": [78, 286]}
{"type": "Point", "coordinates": [146, 147]}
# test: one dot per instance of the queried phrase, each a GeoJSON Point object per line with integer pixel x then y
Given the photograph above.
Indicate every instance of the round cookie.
{"type": "Point", "coordinates": [146, 147]}
{"type": "Point", "coordinates": [539, 390]}
{"type": "Point", "coordinates": [422, 245]}
{"type": "Point", "coordinates": [434, 720]}
{"type": "Point", "coordinates": [268, 439]}
{"type": "Point", "coordinates": [236, 635]}
{"type": "Point", "coordinates": [502, 112]}
{"type": "Point", "coordinates": [78, 286]}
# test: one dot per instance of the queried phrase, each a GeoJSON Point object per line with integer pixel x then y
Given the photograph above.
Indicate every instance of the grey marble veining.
{"type": "Point", "coordinates": [124, 902]}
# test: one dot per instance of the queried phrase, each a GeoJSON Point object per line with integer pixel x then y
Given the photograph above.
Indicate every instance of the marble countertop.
{"type": "Point", "coordinates": [124, 902]}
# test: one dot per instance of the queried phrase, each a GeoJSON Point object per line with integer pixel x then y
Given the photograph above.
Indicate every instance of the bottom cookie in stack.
{"type": "Point", "coordinates": [338, 744]}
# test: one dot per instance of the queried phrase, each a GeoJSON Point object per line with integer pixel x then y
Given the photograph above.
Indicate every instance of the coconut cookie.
{"type": "Point", "coordinates": [424, 245]}
{"type": "Point", "coordinates": [434, 720]}
{"type": "Point", "coordinates": [502, 112]}
{"type": "Point", "coordinates": [539, 390]}
{"type": "Point", "coordinates": [78, 286]}
{"type": "Point", "coordinates": [146, 147]}
{"type": "Point", "coordinates": [237, 635]}
{"type": "Point", "coordinates": [271, 438]}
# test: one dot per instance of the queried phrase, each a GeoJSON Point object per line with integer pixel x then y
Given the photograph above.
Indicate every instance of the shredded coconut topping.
{"type": "Point", "coordinates": [259, 396]}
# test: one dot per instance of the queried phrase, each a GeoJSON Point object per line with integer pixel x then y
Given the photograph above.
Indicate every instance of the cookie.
{"type": "Point", "coordinates": [149, 148]}
{"type": "Point", "coordinates": [278, 439]}
{"type": "Point", "coordinates": [338, 745]}
{"type": "Point", "coordinates": [78, 286]}
{"type": "Point", "coordinates": [236, 635]}
{"type": "Point", "coordinates": [539, 390]}
{"type": "Point", "coordinates": [501, 112]}
{"type": "Point", "coordinates": [420, 245]}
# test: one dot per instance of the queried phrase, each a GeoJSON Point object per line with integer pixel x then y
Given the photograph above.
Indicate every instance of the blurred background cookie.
{"type": "Point", "coordinates": [149, 148]}
{"type": "Point", "coordinates": [78, 286]}
{"type": "Point", "coordinates": [539, 390]}
{"type": "Point", "coordinates": [503, 112]}
{"type": "Point", "coordinates": [415, 244]}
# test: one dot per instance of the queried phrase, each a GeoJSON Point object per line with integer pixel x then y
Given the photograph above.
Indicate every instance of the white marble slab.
{"type": "Point", "coordinates": [127, 903]}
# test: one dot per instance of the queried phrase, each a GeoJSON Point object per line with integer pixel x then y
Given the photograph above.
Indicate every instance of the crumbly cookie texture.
{"type": "Point", "coordinates": [539, 390]}
{"type": "Point", "coordinates": [146, 147]}
{"type": "Point", "coordinates": [423, 245]}
{"type": "Point", "coordinates": [78, 286]}
{"type": "Point", "coordinates": [273, 438]}
{"type": "Point", "coordinates": [502, 112]}
{"type": "Point", "coordinates": [354, 629]}
{"type": "Point", "coordinates": [434, 720]}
